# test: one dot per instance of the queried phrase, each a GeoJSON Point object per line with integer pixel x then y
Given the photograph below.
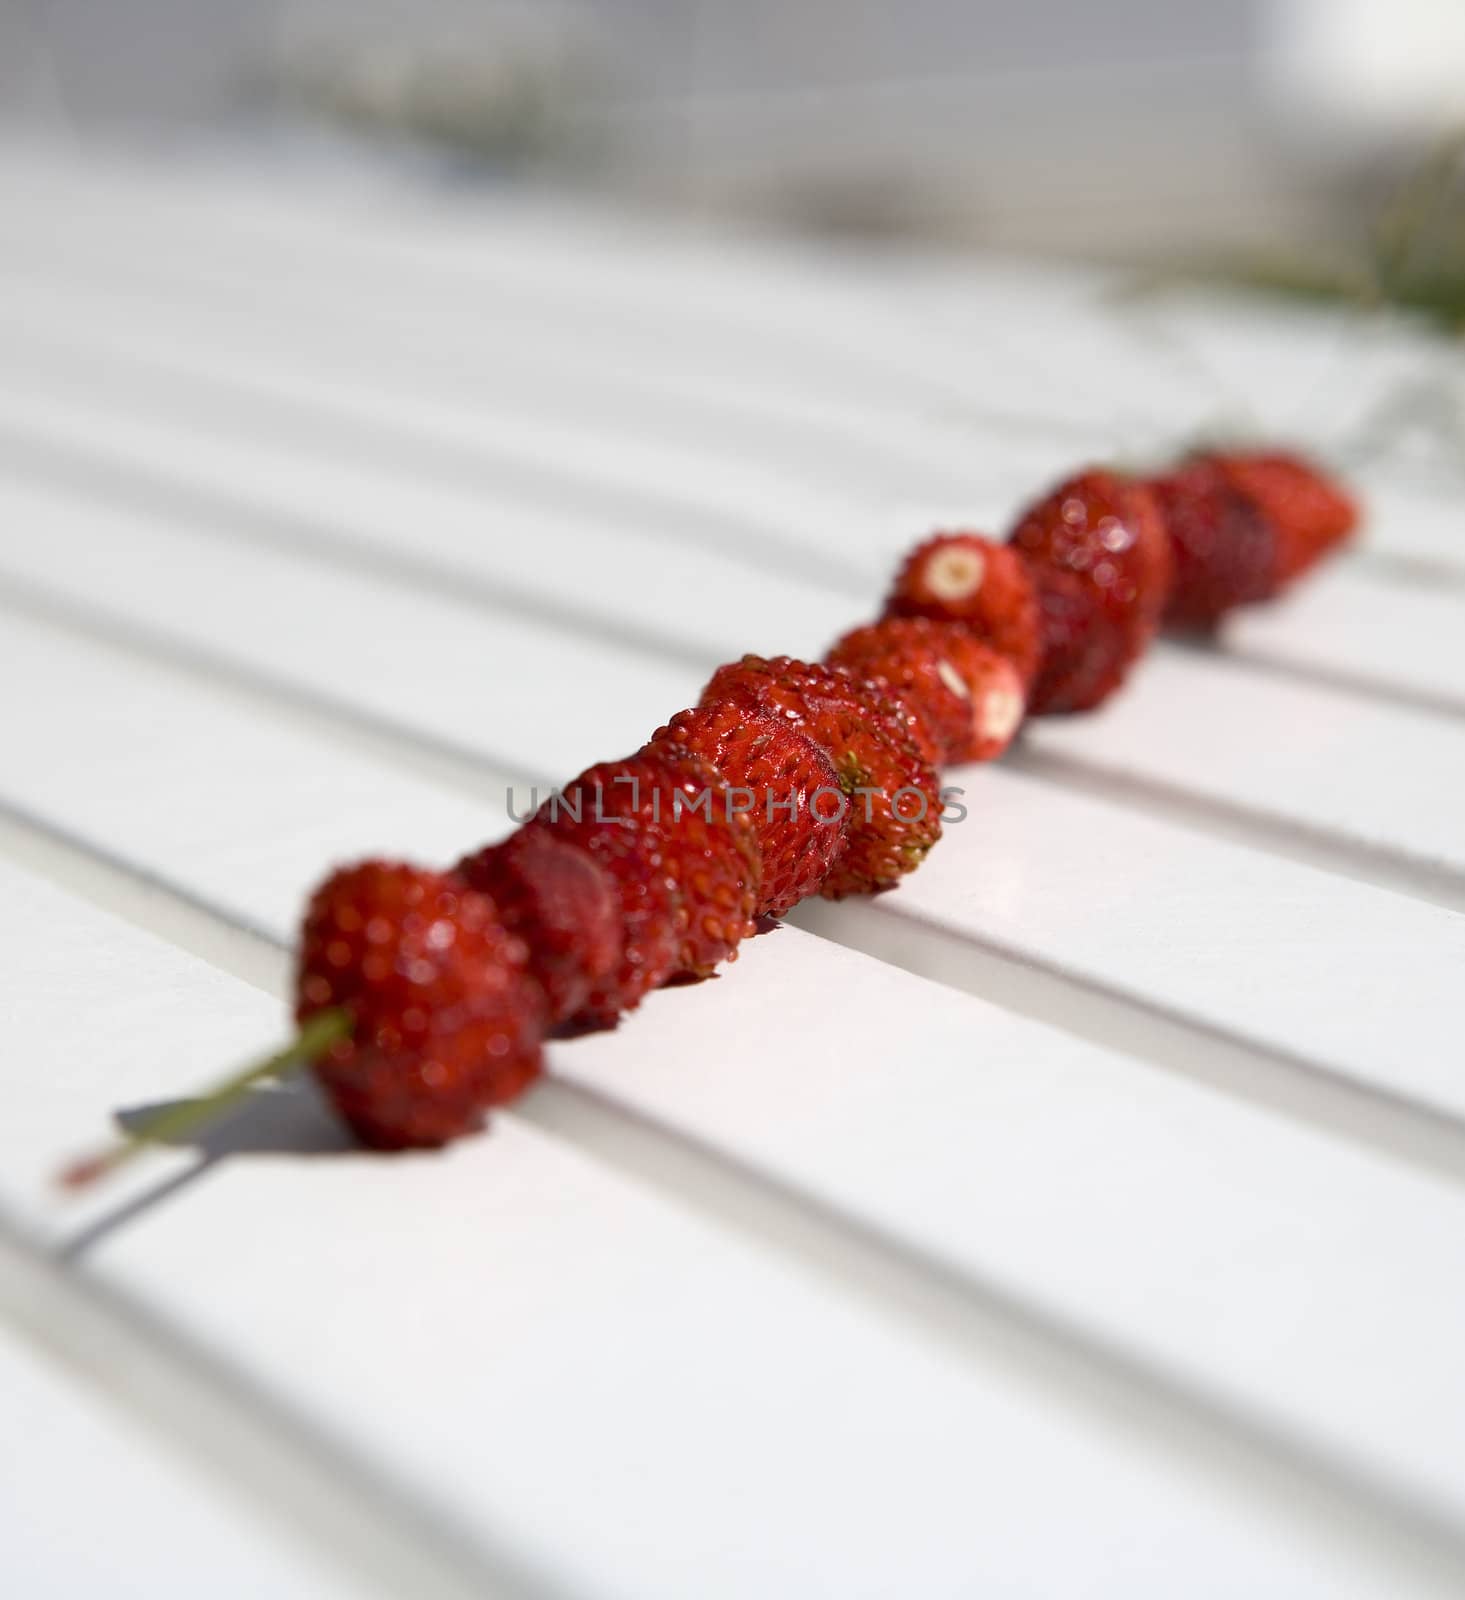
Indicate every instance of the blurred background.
{"type": "Point", "coordinates": [1268, 137]}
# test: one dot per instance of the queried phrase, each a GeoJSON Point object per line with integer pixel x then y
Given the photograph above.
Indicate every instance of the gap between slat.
{"type": "Point", "coordinates": [1414, 572]}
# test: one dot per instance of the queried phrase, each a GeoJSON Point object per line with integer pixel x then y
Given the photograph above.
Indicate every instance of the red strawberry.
{"type": "Point", "coordinates": [998, 699]}
{"type": "Point", "coordinates": [712, 852]}
{"type": "Point", "coordinates": [687, 875]}
{"type": "Point", "coordinates": [792, 783]}
{"type": "Point", "coordinates": [446, 1021]}
{"type": "Point", "coordinates": [607, 811]}
{"type": "Point", "coordinates": [1312, 513]}
{"type": "Point", "coordinates": [963, 577]}
{"type": "Point", "coordinates": [1098, 554]}
{"type": "Point", "coordinates": [1225, 550]}
{"type": "Point", "coordinates": [561, 902]}
{"type": "Point", "coordinates": [894, 795]}
{"type": "Point", "coordinates": [908, 658]}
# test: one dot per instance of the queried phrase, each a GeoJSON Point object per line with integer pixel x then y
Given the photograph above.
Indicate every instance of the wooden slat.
{"type": "Point", "coordinates": [1320, 374]}
{"type": "Point", "coordinates": [288, 809]}
{"type": "Point", "coordinates": [1419, 527]}
{"type": "Point", "coordinates": [94, 1506]}
{"type": "Point", "coordinates": [1381, 779]}
{"type": "Point", "coordinates": [1309, 967]}
{"type": "Point", "coordinates": [108, 1051]}
{"type": "Point", "coordinates": [1344, 629]}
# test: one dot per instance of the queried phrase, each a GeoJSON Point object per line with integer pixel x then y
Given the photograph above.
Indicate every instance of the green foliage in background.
{"type": "Point", "coordinates": [1412, 260]}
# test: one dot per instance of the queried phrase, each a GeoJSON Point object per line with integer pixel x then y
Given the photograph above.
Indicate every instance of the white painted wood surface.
{"type": "Point", "coordinates": [94, 1507]}
{"type": "Point", "coordinates": [605, 1392]}
{"type": "Point", "coordinates": [1114, 1249]}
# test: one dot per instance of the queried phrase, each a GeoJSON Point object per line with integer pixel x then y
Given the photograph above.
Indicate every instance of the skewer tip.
{"type": "Point", "coordinates": [81, 1174]}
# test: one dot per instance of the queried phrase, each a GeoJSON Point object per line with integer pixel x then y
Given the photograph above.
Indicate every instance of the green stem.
{"type": "Point", "coordinates": [169, 1125]}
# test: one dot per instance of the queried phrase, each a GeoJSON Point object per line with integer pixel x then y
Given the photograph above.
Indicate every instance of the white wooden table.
{"type": "Point", "coordinates": [1088, 1218]}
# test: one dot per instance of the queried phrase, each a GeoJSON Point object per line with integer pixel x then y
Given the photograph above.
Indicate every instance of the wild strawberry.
{"type": "Point", "coordinates": [784, 774]}
{"type": "Point", "coordinates": [1225, 549]}
{"type": "Point", "coordinates": [908, 659]}
{"type": "Point", "coordinates": [1312, 513]}
{"type": "Point", "coordinates": [561, 902]}
{"type": "Point", "coordinates": [893, 794]}
{"type": "Point", "coordinates": [607, 811]}
{"type": "Point", "coordinates": [998, 698]}
{"type": "Point", "coordinates": [963, 577]}
{"type": "Point", "coordinates": [712, 852]}
{"type": "Point", "coordinates": [687, 874]}
{"type": "Point", "coordinates": [445, 1021]}
{"type": "Point", "coordinates": [1099, 557]}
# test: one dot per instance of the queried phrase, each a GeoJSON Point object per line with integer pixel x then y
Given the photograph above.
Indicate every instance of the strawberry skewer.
{"type": "Point", "coordinates": [423, 997]}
